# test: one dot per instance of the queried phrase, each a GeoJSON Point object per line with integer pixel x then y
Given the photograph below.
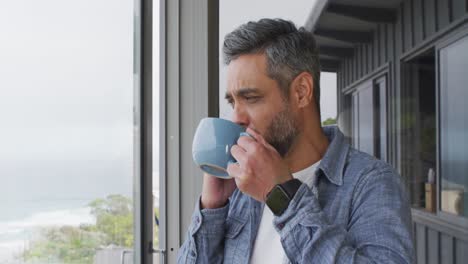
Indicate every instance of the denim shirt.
{"type": "Point", "coordinates": [360, 214]}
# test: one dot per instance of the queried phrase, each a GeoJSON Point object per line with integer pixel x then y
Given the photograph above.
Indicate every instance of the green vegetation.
{"type": "Point", "coordinates": [72, 245]}
{"type": "Point", "coordinates": [329, 121]}
{"type": "Point", "coordinates": [156, 229]}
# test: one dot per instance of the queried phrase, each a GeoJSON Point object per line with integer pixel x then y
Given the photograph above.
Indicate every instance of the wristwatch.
{"type": "Point", "coordinates": [280, 196]}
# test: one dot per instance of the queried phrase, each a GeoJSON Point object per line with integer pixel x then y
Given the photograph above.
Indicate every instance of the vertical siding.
{"type": "Point", "coordinates": [356, 66]}
{"type": "Point", "coordinates": [458, 9]}
{"type": "Point", "coordinates": [421, 245]}
{"type": "Point", "coordinates": [396, 91]}
{"type": "Point", "coordinates": [370, 59]}
{"type": "Point", "coordinates": [382, 44]}
{"type": "Point", "coordinates": [443, 14]}
{"type": "Point", "coordinates": [408, 25]}
{"type": "Point", "coordinates": [365, 64]}
{"type": "Point", "coordinates": [375, 50]}
{"type": "Point", "coordinates": [447, 249]}
{"type": "Point", "coordinates": [418, 22]}
{"type": "Point", "coordinates": [461, 252]}
{"type": "Point", "coordinates": [432, 246]}
{"type": "Point", "coordinates": [429, 17]}
{"type": "Point", "coordinates": [348, 70]}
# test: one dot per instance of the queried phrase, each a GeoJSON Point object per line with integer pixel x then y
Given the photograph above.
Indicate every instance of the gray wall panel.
{"type": "Point", "coordinates": [443, 15]}
{"type": "Point", "coordinates": [360, 57]}
{"type": "Point", "coordinates": [461, 252]}
{"type": "Point", "coordinates": [418, 23]}
{"type": "Point", "coordinates": [398, 32]}
{"type": "Point", "coordinates": [399, 36]}
{"type": "Point", "coordinates": [347, 74]}
{"type": "Point", "coordinates": [375, 50]}
{"type": "Point", "coordinates": [390, 42]}
{"type": "Point", "coordinates": [429, 17]}
{"type": "Point", "coordinates": [446, 249]}
{"type": "Point", "coordinates": [355, 64]}
{"type": "Point", "coordinates": [421, 245]}
{"type": "Point", "coordinates": [365, 61]}
{"type": "Point", "coordinates": [458, 9]}
{"type": "Point", "coordinates": [407, 25]}
{"type": "Point", "coordinates": [370, 58]}
{"type": "Point", "coordinates": [382, 44]}
{"type": "Point", "coordinates": [432, 250]}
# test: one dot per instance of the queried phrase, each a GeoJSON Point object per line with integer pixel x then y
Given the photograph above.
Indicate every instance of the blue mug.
{"type": "Point", "coordinates": [211, 147]}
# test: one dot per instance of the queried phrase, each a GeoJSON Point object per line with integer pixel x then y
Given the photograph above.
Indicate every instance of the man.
{"type": "Point", "coordinates": [325, 201]}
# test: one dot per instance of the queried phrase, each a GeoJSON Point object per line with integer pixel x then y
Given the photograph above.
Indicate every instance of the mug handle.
{"type": "Point", "coordinates": [242, 134]}
{"type": "Point", "coordinates": [245, 134]}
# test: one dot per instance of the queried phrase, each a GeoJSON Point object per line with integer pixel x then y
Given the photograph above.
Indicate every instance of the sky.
{"type": "Point", "coordinates": [66, 98]}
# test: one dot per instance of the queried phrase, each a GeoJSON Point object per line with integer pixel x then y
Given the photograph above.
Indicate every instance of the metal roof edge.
{"type": "Point", "coordinates": [315, 13]}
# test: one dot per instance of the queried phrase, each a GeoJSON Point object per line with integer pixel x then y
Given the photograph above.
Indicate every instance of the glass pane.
{"type": "Point", "coordinates": [366, 120]}
{"type": "Point", "coordinates": [369, 118]}
{"type": "Point", "coordinates": [363, 118]}
{"type": "Point", "coordinates": [355, 114]}
{"type": "Point", "coordinates": [381, 88]}
{"type": "Point", "coordinates": [418, 132]}
{"type": "Point", "coordinates": [66, 111]}
{"type": "Point", "coordinates": [454, 127]}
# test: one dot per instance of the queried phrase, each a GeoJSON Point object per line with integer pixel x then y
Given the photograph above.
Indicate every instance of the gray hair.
{"type": "Point", "coordinates": [289, 51]}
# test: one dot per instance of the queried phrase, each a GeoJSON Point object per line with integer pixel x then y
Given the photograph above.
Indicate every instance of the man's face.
{"type": "Point", "coordinates": [258, 102]}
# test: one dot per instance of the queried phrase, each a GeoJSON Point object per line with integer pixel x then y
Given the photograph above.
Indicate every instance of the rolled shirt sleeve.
{"type": "Point", "coordinates": [204, 241]}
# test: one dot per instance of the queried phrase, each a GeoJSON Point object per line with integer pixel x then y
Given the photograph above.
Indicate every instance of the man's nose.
{"type": "Point", "coordinates": [240, 117]}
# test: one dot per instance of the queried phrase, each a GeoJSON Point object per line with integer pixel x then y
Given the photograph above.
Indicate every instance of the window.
{"type": "Point", "coordinates": [369, 113]}
{"type": "Point", "coordinates": [66, 156]}
{"type": "Point", "coordinates": [453, 62]}
{"type": "Point", "coordinates": [419, 129]}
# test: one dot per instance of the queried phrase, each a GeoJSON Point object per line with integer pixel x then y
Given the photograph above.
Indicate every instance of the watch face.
{"type": "Point", "coordinates": [278, 200]}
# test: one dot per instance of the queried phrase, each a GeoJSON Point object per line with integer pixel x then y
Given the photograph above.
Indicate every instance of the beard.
{"type": "Point", "coordinates": [282, 131]}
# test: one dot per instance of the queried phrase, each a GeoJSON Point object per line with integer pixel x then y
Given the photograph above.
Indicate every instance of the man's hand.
{"type": "Point", "coordinates": [216, 191]}
{"type": "Point", "coordinates": [260, 167]}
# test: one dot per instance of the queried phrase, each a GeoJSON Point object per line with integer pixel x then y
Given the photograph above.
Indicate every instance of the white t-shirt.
{"type": "Point", "coordinates": [267, 247]}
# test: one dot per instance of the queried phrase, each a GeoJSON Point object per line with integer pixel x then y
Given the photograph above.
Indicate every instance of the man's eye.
{"type": "Point", "coordinates": [252, 99]}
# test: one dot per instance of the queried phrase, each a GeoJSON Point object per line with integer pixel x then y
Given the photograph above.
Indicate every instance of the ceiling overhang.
{"type": "Point", "coordinates": [340, 25]}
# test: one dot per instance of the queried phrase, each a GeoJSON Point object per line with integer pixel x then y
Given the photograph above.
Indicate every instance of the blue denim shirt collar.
{"type": "Point", "coordinates": [334, 160]}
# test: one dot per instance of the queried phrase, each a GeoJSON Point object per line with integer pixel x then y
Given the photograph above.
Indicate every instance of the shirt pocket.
{"type": "Point", "coordinates": [234, 227]}
{"type": "Point", "coordinates": [236, 242]}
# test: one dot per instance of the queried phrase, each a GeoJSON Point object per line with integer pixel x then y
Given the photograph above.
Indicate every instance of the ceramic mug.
{"type": "Point", "coordinates": [211, 147]}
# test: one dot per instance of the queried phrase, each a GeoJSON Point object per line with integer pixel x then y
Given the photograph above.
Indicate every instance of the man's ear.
{"type": "Point", "coordinates": [302, 88]}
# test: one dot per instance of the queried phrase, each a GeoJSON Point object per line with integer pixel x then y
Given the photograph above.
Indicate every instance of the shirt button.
{"type": "Point", "coordinates": [197, 219]}
{"type": "Point", "coordinates": [280, 226]}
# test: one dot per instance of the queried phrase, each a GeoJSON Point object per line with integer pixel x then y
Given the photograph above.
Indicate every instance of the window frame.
{"type": "Point", "coordinates": [143, 182]}
{"type": "Point", "coordinates": [442, 39]}
{"type": "Point", "coordinates": [351, 90]}
{"type": "Point", "coordinates": [461, 221]}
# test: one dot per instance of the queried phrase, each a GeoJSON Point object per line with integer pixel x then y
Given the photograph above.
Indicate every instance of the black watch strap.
{"type": "Point", "coordinates": [280, 196]}
{"type": "Point", "coordinates": [291, 187]}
